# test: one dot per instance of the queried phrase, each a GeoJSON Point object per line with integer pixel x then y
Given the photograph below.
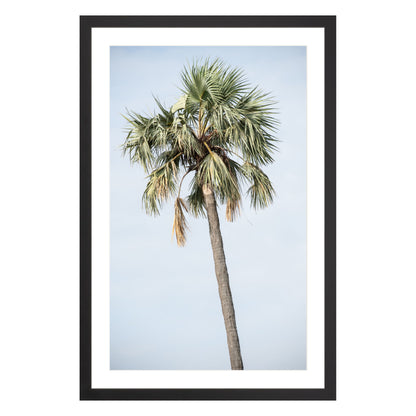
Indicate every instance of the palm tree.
{"type": "Point", "coordinates": [218, 118]}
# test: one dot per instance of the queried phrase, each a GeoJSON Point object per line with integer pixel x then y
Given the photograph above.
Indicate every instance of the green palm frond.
{"type": "Point", "coordinates": [261, 191]}
{"type": "Point", "coordinates": [161, 185]}
{"type": "Point", "coordinates": [201, 83]}
{"type": "Point", "coordinates": [139, 143]}
{"type": "Point", "coordinates": [217, 116]}
{"type": "Point", "coordinates": [180, 104]}
{"type": "Point", "coordinates": [214, 172]}
{"type": "Point", "coordinates": [195, 199]}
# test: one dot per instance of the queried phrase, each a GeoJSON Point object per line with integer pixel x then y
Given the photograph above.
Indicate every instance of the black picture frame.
{"type": "Point", "coordinates": [87, 23]}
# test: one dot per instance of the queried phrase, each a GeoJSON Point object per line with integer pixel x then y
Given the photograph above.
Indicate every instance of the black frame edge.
{"type": "Point", "coordinates": [85, 209]}
{"type": "Point", "coordinates": [207, 394]}
{"type": "Point", "coordinates": [330, 207]}
{"type": "Point", "coordinates": [207, 21]}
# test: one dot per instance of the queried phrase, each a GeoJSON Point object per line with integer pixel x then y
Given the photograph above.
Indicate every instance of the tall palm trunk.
{"type": "Point", "coordinates": [222, 279]}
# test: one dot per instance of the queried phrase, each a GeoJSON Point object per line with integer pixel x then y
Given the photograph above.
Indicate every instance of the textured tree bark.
{"type": "Point", "coordinates": [222, 279]}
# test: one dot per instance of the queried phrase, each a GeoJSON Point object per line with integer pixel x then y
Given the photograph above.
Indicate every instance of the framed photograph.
{"type": "Point", "coordinates": [207, 207]}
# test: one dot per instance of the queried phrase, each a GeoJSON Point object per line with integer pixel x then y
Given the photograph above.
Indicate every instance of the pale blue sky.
{"type": "Point", "coordinates": [165, 309]}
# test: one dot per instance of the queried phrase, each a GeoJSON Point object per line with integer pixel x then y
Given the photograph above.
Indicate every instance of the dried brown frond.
{"type": "Point", "coordinates": [232, 210]}
{"type": "Point", "coordinates": [179, 222]}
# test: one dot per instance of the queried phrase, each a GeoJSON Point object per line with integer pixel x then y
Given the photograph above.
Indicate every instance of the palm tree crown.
{"type": "Point", "coordinates": [220, 130]}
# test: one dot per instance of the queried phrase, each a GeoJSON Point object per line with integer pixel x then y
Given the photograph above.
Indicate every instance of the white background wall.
{"type": "Point", "coordinates": [39, 208]}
